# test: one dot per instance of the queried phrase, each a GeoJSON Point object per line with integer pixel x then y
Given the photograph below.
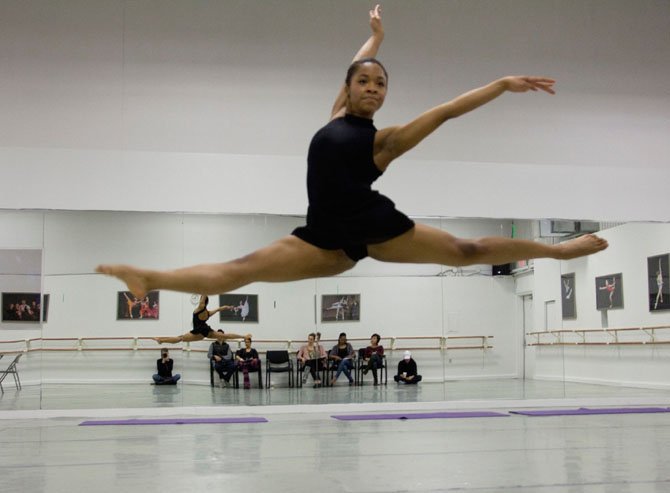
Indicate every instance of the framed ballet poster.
{"type": "Point", "coordinates": [659, 287]}
{"type": "Point", "coordinates": [341, 308]}
{"type": "Point", "coordinates": [609, 292]}
{"type": "Point", "coordinates": [568, 296]}
{"type": "Point", "coordinates": [238, 308]}
{"type": "Point", "coordinates": [21, 307]}
{"type": "Point", "coordinates": [128, 307]}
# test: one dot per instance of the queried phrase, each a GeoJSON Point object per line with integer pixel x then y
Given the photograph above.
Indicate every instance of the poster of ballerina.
{"type": "Point", "coordinates": [341, 308]}
{"type": "Point", "coordinates": [609, 292]}
{"type": "Point", "coordinates": [659, 287]}
{"type": "Point", "coordinates": [238, 308]}
{"type": "Point", "coordinates": [568, 296]}
{"type": "Point", "coordinates": [128, 307]}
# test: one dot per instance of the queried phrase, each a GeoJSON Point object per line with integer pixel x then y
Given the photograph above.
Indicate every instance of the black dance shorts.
{"type": "Point", "coordinates": [353, 232]}
{"type": "Point", "coordinates": [203, 330]}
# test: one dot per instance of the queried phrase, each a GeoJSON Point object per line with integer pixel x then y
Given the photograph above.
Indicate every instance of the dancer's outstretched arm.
{"type": "Point", "coordinates": [393, 142]}
{"type": "Point", "coordinates": [369, 49]}
{"type": "Point", "coordinates": [220, 309]}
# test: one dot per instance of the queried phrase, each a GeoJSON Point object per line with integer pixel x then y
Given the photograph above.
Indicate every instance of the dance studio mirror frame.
{"type": "Point", "coordinates": [474, 335]}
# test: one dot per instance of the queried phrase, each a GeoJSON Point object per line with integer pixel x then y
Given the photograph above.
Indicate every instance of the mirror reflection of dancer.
{"type": "Point", "coordinates": [610, 288]}
{"type": "Point", "coordinates": [347, 220]}
{"type": "Point", "coordinates": [659, 283]}
{"type": "Point", "coordinates": [339, 307]}
{"type": "Point", "coordinates": [201, 329]}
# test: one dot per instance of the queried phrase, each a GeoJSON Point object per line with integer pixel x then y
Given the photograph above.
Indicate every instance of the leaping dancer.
{"type": "Point", "coordinates": [347, 220]}
{"type": "Point", "coordinates": [201, 328]}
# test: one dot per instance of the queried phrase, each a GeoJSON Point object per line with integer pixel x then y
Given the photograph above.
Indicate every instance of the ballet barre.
{"type": "Point", "coordinates": [641, 336]}
{"type": "Point", "coordinates": [139, 343]}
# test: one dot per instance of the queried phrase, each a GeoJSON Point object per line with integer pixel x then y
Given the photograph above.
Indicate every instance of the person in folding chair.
{"type": "Point", "coordinates": [373, 357]}
{"type": "Point", "coordinates": [311, 357]}
{"type": "Point", "coordinates": [343, 356]}
{"type": "Point", "coordinates": [247, 359]}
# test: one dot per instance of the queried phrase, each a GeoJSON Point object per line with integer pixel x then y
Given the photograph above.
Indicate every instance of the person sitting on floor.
{"type": "Point", "coordinates": [407, 371]}
{"type": "Point", "coordinates": [164, 367]}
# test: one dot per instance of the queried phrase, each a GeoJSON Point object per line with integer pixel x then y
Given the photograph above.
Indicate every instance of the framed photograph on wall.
{"type": "Point", "coordinates": [609, 292]}
{"type": "Point", "coordinates": [568, 296]}
{"type": "Point", "coordinates": [128, 307]}
{"type": "Point", "coordinates": [340, 308]}
{"type": "Point", "coordinates": [21, 307]}
{"type": "Point", "coordinates": [659, 285]}
{"type": "Point", "coordinates": [238, 308]}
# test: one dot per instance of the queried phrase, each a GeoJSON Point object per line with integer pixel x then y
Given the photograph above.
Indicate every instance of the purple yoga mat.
{"type": "Point", "coordinates": [437, 415]}
{"type": "Point", "coordinates": [587, 411]}
{"type": "Point", "coordinates": [173, 421]}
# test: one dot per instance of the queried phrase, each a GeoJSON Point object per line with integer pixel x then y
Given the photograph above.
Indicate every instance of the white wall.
{"type": "Point", "coordinates": [117, 105]}
{"type": "Point", "coordinates": [630, 245]}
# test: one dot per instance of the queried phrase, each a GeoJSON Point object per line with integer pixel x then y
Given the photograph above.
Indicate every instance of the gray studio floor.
{"type": "Point", "coordinates": [310, 451]}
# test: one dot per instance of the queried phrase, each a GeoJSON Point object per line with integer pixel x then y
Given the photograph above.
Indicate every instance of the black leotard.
{"type": "Point", "coordinates": [344, 212]}
{"type": "Point", "coordinates": [200, 326]}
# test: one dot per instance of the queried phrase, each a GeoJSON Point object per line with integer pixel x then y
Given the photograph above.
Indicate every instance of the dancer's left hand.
{"type": "Point", "coordinates": [523, 83]}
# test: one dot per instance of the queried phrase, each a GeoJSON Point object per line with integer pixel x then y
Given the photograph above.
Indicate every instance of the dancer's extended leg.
{"type": "Point", "coordinates": [288, 259]}
{"type": "Point", "coordinates": [424, 244]}
{"type": "Point", "coordinates": [188, 337]}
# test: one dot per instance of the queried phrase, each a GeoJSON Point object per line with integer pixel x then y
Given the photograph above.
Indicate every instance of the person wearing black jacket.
{"type": "Point", "coordinates": [407, 371]}
{"type": "Point", "coordinates": [164, 367]}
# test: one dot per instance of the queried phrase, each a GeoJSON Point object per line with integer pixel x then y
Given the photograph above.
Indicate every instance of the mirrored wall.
{"type": "Point", "coordinates": [529, 330]}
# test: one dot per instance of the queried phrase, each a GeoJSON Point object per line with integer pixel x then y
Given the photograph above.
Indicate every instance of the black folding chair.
{"type": "Point", "coordinates": [278, 362]}
{"type": "Point", "coordinates": [361, 364]}
{"type": "Point", "coordinates": [11, 370]}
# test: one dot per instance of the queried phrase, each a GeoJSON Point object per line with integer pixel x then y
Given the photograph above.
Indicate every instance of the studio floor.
{"type": "Point", "coordinates": [302, 448]}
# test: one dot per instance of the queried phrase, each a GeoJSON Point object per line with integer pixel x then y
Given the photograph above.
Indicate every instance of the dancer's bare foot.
{"type": "Point", "coordinates": [579, 247]}
{"type": "Point", "coordinates": [159, 340]}
{"type": "Point", "coordinates": [135, 278]}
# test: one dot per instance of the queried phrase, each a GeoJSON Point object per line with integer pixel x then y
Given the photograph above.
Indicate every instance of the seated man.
{"type": "Point", "coordinates": [222, 358]}
{"type": "Point", "coordinates": [164, 367]}
{"type": "Point", "coordinates": [407, 370]}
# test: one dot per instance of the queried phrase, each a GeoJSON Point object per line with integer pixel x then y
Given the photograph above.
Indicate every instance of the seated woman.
{"type": "Point", "coordinates": [373, 357]}
{"type": "Point", "coordinates": [201, 329]}
{"type": "Point", "coordinates": [407, 371]}
{"type": "Point", "coordinates": [312, 356]}
{"type": "Point", "coordinates": [247, 359]}
{"type": "Point", "coordinates": [343, 355]}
